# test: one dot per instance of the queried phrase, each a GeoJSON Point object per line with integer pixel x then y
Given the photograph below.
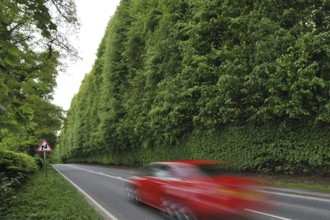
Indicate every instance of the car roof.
{"type": "Point", "coordinates": [189, 162]}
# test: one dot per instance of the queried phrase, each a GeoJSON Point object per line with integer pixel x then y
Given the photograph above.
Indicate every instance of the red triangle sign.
{"type": "Point", "coordinates": [44, 147]}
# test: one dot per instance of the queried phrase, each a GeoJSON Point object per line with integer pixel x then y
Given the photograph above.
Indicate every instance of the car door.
{"type": "Point", "coordinates": [153, 186]}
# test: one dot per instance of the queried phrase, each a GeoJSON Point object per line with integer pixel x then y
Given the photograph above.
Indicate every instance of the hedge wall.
{"type": "Point", "coordinates": [278, 149]}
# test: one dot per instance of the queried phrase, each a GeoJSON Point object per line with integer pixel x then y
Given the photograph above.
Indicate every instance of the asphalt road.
{"type": "Point", "coordinates": [104, 188]}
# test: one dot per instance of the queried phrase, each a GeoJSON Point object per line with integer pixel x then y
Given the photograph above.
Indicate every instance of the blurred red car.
{"type": "Point", "coordinates": [194, 189]}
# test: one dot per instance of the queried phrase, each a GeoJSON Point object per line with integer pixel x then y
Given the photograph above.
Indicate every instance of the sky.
{"type": "Point", "coordinates": [94, 17]}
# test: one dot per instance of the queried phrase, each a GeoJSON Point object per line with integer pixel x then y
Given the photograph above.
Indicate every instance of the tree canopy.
{"type": "Point", "coordinates": [33, 41]}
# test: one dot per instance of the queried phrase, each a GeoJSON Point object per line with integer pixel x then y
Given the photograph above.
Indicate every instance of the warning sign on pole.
{"type": "Point", "coordinates": [44, 147]}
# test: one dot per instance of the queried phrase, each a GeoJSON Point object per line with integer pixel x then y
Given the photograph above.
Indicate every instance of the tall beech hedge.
{"type": "Point", "coordinates": [272, 149]}
{"type": "Point", "coordinates": [243, 81]}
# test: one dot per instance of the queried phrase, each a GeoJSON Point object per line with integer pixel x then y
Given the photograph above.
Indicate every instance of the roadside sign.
{"type": "Point", "coordinates": [44, 147]}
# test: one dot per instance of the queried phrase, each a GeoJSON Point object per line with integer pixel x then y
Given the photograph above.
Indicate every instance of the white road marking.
{"type": "Point", "coordinates": [296, 196]}
{"type": "Point", "coordinates": [102, 174]}
{"type": "Point", "coordinates": [108, 214]}
{"type": "Point", "coordinates": [269, 215]}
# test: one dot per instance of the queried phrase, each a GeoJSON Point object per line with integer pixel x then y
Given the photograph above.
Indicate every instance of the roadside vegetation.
{"type": "Point", "coordinates": [50, 198]}
{"type": "Point", "coordinates": [314, 183]}
{"type": "Point", "coordinates": [305, 182]}
{"type": "Point", "coordinates": [306, 186]}
{"type": "Point", "coordinates": [33, 44]}
{"type": "Point", "coordinates": [15, 169]}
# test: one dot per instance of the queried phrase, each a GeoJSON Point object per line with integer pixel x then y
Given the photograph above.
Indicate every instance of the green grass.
{"type": "Point", "coordinates": [312, 183]}
{"type": "Point", "coordinates": [51, 198]}
{"type": "Point", "coordinates": [313, 187]}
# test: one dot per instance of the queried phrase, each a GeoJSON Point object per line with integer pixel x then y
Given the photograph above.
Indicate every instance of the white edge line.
{"type": "Point", "coordinates": [262, 213]}
{"type": "Point", "coordinates": [108, 214]}
{"type": "Point", "coordinates": [296, 196]}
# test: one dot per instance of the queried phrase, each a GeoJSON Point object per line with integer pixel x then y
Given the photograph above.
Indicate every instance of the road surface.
{"type": "Point", "coordinates": [104, 188]}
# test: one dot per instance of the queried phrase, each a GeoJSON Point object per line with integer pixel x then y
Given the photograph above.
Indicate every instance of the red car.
{"type": "Point", "coordinates": [194, 189]}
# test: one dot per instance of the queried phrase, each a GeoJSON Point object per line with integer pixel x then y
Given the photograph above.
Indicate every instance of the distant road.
{"type": "Point", "coordinates": [104, 188]}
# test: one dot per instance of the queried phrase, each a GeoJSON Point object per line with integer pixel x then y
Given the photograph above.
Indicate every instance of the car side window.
{"type": "Point", "coordinates": [161, 171]}
{"type": "Point", "coordinates": [186, 171]}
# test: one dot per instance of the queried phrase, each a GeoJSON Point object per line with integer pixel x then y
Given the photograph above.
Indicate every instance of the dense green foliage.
{"type": "Point", "coordinates": [31, 45]}
{"type": "Point", "coordinates": [33, 41]}
{"type": "Point", "coordinates": [241, 81]}
{"type": "Point", "coordinates": [51, 198]}
{"type": "Point", "coordinates": [14, 170]}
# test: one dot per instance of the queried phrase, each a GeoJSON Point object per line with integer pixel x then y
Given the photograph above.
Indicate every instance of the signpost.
{"type": "Point", "coordinates": [44, 147]}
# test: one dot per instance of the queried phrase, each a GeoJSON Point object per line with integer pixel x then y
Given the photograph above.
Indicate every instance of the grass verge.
{"type": "Point", "coordinates": [318, 188]}
{"type": "Point", "coordinates": [303, 182]}
{"type": "Point", "coordinates": [52, 199]}
{"type": "Point", "coordinates": [312, 183]}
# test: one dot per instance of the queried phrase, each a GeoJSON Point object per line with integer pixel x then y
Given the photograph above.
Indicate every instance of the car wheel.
{"type": "Point", "coordinates": [183, 212]}
{"type": "Point", "coordinates": [133, 194]}
{"type": "Point", "coordinates": [168, 211]}
{"type": "Point", "coordinates": [174, 210]}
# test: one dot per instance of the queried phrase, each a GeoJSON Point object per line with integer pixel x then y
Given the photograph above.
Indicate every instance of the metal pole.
{"type": "Point", "coordinates": [45, 164]}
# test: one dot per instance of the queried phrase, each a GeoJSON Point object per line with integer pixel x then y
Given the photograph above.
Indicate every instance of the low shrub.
{"type": "Point", "coordinates": [14, 170]}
